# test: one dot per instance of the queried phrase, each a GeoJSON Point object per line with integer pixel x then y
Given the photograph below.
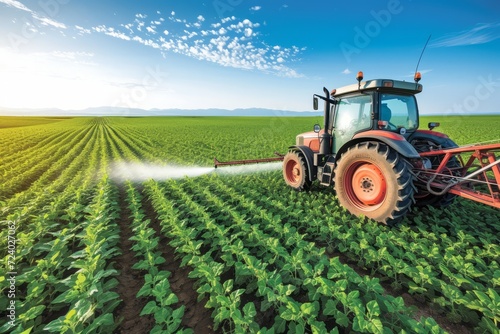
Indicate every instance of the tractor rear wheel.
{"type": "Point", "coordinates": [295, 171]}
{"type": "Point", "coordinates": [373, 180]}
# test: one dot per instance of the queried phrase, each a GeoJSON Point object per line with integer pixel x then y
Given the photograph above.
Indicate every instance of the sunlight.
{"type": "Point", "coordinates": [36, 81]}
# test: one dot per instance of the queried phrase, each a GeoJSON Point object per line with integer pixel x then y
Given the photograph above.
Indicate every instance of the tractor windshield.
{"type": "Point", "coordinates": [400, 111]}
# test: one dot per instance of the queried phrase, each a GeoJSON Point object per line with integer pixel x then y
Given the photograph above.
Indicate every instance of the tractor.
{"type": "Point", "coordinates": [379, 162]}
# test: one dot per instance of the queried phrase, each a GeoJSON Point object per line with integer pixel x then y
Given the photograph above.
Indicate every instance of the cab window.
{"type": "Point", "coordinates": [400, 111]}
{"type": "Point", "coordinates": [353, 114]}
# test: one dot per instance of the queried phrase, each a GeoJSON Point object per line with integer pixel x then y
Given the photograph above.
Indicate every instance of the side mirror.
{"type": "Point", "coordinates": [433, 125]}
{"type": "Point", "coordinates": [317, 128]}
{"type": "Point", "coordinates": [315, 103]}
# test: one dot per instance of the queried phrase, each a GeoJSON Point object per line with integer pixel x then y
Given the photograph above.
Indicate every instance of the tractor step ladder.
{"type": "Point", "coordinates": [327, 174]}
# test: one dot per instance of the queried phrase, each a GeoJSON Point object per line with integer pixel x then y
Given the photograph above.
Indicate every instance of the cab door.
{"type": "Point", "coordinates": [353, 114]}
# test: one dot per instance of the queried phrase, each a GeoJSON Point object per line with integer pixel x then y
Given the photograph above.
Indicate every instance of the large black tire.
{"type": "Point", "coordinates": [423, 197]}
{"type": "Point", "coordinates": [373, 180]}
{"type": "Point", "coordinates": [295, 171]}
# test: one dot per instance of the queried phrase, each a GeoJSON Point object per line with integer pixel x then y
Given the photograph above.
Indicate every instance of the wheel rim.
{"type": "Point", "coordinates": [366, 185]}
{"type": "Point", "coordinates": [293, 172]}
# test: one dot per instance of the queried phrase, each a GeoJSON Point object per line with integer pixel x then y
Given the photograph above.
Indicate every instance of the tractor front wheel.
{"type": "Point", "coordinates": [295, 171]}
{"type": "Point", "coordinates": [373, 180]}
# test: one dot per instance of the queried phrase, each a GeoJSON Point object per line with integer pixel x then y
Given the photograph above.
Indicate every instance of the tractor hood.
{"type": "Point", "coordinates": [309, 139]}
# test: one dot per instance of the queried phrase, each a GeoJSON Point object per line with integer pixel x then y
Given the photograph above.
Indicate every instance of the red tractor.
{"type": "Point", "coordinates": [380, 163]}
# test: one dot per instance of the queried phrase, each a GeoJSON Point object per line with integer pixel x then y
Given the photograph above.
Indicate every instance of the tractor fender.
{"type": "Point", "coordinates": [436, 137]}
{"type": "Point", "coordinates": [393, 140]}
{"type": "Point", "coordinates": [309, 156]}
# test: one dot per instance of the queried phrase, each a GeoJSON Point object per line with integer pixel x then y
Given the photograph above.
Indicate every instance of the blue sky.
{"type": "Point", "coordinates": [188, 54]}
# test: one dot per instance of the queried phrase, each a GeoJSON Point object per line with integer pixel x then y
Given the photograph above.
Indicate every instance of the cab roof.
{"type": "Point", "coordinates": [386, 85]}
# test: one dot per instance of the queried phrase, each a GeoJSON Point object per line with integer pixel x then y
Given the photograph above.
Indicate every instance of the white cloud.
{"type": "Point", "coordinates": [480, 34]}
{"type": "Point", "coordinates": [45, 21]}
{"type": "Point", "coordinates": [16, 4]}
{"type": "Point", "coordinates": [248, 32]}
{"type": "Point", "coordinates": [140, 24]}
{"type": "Point", "coordinates": [228, 19]}
{"type": "Point", "coordinates": [228, 43]}
{"type": "Point", "coordinates": [256, 8]}
{"type": "Point", "coordinates": [82, 30]}
{"type": "Point", "coordinates": [147, 42]}
{"type": "Point", "coordinates": [346, 71]}
{"type": "Point", "coordinates": [111, 32]}
{"type": "Point", "coordinates": [49, 22]}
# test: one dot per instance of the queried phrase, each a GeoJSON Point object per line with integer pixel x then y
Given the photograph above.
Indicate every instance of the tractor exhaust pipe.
{"type": "Point", "coordinates": [326, 137]}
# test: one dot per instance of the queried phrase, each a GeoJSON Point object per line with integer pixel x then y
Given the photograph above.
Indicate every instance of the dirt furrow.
{"type": "Point", "coordinates": [130, 280]}
{"type": "Point", "coordinates": [196, 316]}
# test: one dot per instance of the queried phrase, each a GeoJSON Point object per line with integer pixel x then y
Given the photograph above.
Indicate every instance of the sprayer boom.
{"type": "Point", "coordinates": [279, 157]}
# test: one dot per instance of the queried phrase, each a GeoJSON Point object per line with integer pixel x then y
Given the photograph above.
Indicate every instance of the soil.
{"type": "Point", "coordinates": [196, 316]}
{"type": "Point", "coordinates": [130, 280]}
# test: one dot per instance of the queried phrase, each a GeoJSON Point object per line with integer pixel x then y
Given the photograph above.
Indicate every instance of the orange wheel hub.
{"type": "Point", "coordinates": [368, 184]}
{"type": "Point", "coordinates": [292, 169]}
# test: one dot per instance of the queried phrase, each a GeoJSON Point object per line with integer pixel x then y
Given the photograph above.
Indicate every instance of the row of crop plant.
{"type": "Point", "coordinates": [71, 272]}
{"type": "Point", "coordinates": [289, 281]}
{"type": "Point", "coordinates": [156, 282]}
{"type": "Point", "coordinates": [43, 166]}
{"type": "Point", "coordinates": [447, 263]}
{"type": "Point", "coordinates": [89, 296]}
{"type": "Point", "coordinates": [59, 259]}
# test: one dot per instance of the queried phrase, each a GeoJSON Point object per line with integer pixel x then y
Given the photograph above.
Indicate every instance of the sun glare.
{"type": "Point", "coordinates": [35, 81]}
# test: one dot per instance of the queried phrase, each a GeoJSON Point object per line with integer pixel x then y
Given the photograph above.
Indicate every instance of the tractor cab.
{"type": "Point", "coordinates": [381, 104]}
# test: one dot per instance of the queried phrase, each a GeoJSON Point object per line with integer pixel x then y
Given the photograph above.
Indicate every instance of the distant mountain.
{"type": "Point", "coordinates": [124, 112]}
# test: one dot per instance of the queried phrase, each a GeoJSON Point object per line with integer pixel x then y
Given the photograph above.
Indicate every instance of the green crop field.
{"type": "Point", "coordinates": [86, 249]}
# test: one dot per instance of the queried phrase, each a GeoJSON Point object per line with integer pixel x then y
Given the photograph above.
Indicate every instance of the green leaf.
{"type": "Point", "coordinates": [330, 307]}
{"type": "Point", "coordinates": [171, 299]}
{"type": "Point", "coordinates": [55, 326]}
{"type": "Point", "coordinates": [85, 309]}
{"type": "Point", "coordinates": [145, 290]}
{"type": "Point", "coordinates": [149, 308]}
{"type": "Point", "coordinates": [373, 308]}
{"type": "Point", "coordinates": [100, 323]}
{"type": "Point", "coordinates": [161, 315]}
{"type": "Point", "coordinates": [179, 312]}
{"type": "Point", "coordinates": [359, 324]}
{"type": "Point", "coordinates": [249, 310]}
{"type": "Point", "coordinates": [222, 314]}
{"type": "Point", "coordinates": [32, 313]}
{"type": "Point", "coordinates": [307, 308]}
{"type": "Point", "coordinates": [375, 326]}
